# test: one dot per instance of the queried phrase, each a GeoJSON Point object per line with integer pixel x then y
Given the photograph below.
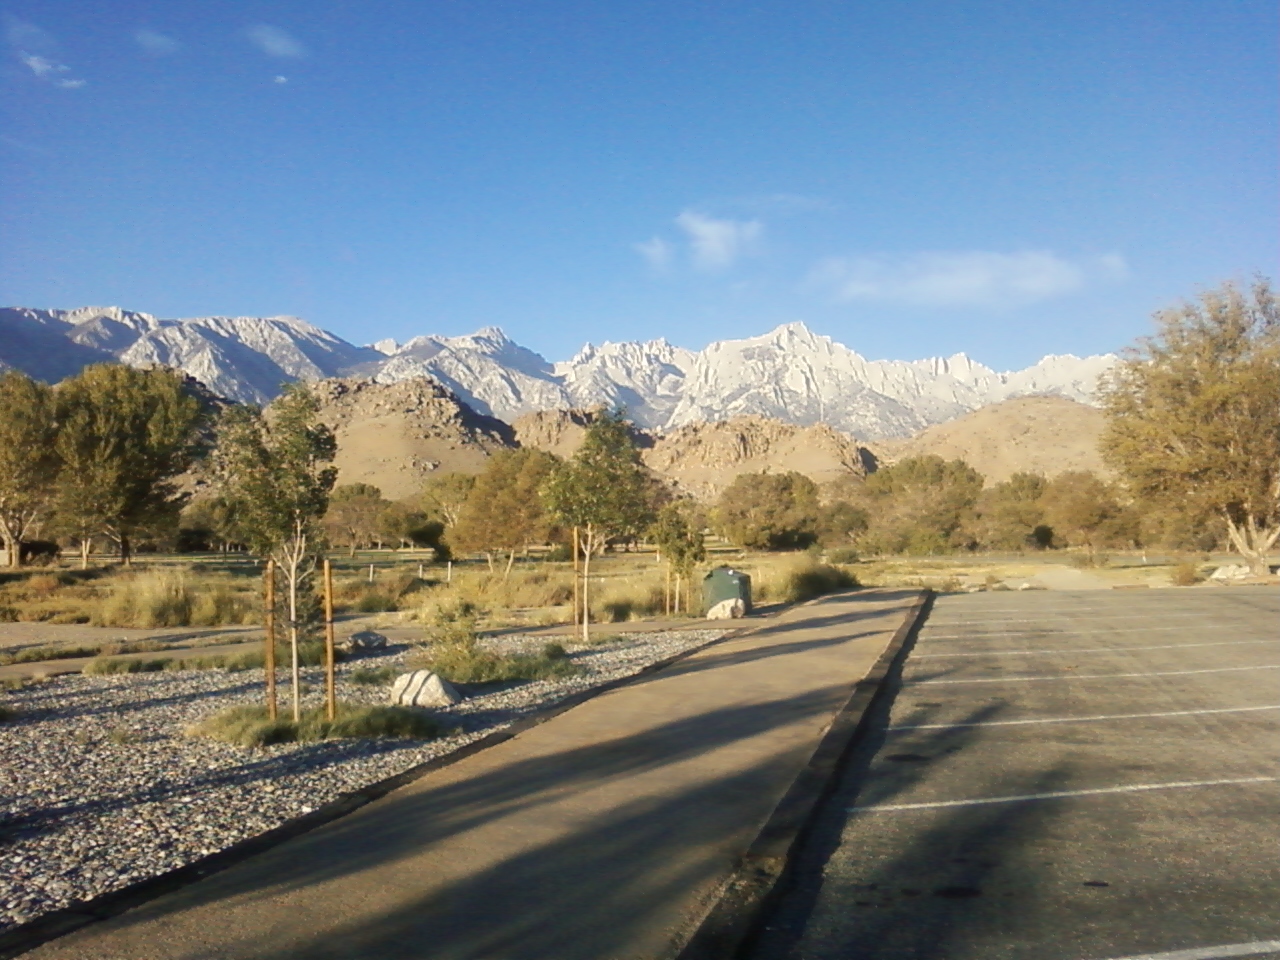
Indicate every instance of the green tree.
{"type": "Point", "coordinates": [352, 517]}
{"type": "Point", "coordinates": [604, 491]}
{"type": "Point", "coordinates": [28, 460]}
{"type": "Point", "coordinates": [274, 469]}
{"type": "Point", "coordinates": [920, 505]}
{"type": "Point", "coordinates": [1193, 415]}
{"type": "Point", "coordinates": [504, 512]}
{"type": "Point", "coordinates": [1010, 516]}
{"type": "Point", "coordinates": [769, 511]}
{"type": "Point", "coordinates": [124, 436]}
{"type": "Point", "coordinates": [401, 524]}
{"type": "Point", "coordinates": [679, 539]}
{"type": "Point", "coordinates": [1084, 510]}
{"type": "Point", "coordinates": [443, 497]}
{"type": "Point", "coordinates": [841, 523]}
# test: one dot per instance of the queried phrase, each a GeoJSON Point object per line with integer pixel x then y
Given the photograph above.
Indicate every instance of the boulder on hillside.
{"type": "Point", "coordinates": [423, 688]}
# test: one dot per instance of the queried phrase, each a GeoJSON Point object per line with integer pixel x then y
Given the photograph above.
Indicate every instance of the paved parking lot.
{"type": "Point", "coordinates": [1060, 776]}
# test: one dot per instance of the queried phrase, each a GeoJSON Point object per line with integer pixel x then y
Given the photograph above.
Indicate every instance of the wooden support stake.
{"type": "Point", "coordinates": [269, 644]}
{"type": "Point", "coordinates": [330, 680]}
{"type": "Point", "coordinates": [577, 601]}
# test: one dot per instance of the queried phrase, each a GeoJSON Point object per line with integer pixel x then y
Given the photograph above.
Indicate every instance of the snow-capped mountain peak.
{"type": "Point", "coordinates": [790, 373]}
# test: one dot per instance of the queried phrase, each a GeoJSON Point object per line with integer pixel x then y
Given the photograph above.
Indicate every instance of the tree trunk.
{"type": "Point", "coordinates": [13, 552]}
{"type": "Point", "coordinates": [511, 559]}
{"type": "Point", "coordinates": [1253, 543]}
{"type": "Point", "coordinates": [86, 544]}
{"type": "Point", "coordinates": [586, 581]}
{"type": "Point", "coordinates": [126, 554]}
{"type": "Point", "coordinates": [293, 641]}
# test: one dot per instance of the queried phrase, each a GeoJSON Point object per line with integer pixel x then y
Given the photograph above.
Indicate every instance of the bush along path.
{"type": "Point", "coordinates": [103, 786]}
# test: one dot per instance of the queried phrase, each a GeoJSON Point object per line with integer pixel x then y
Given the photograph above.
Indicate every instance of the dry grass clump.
{"type": "Point", "coordinates": [373, 676]}
{"type": "Point", "coordinates": [104, 666]}
{"type": "Point", "coordinates": [800, 579]}
{"type": "Point", "coordinates": [454, 652]}
{"type": "Point", "coordinates": [469, 663]}
{"type": "Point", "coordinates": [1185, 574]}
{"type": "Point", "coordinates": [632, 598]}
{"type": "Point", "coordinates": [249, 726]}
{"type": "Point", "coordinates": [310, 654]}
{"type": "Point", "coordinates": [170, 599]}
{"type": "Point", "coordinates": [489, 593]}
{"type": "Point", "coordinates": [388, 592]}
{"type": "Point", "coordinates": [188, 596]}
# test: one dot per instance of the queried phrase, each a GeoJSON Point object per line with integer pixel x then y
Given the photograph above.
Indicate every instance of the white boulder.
{"type": "Point", "coordinates": [423, 688]}
{"type": "Point", "coordinates": [1232, 571]}
{"type": "Point", "coordinates": [728, 610]}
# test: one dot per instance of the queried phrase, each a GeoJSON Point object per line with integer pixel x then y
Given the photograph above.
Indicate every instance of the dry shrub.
{"type": "Point", "coordinates": [803, 578]}
{"type": "Point", "coordinates": [482, 592]}
{"type": "Point", "coordinates": [1185, 574]}
{"type": "Point", "coordinates": [169, 599]}
{"type": "Point", "coordinates": [43, 584]}
{"type": "Point", "coordinates": [456, 655]}
{"type": "Point", "coordinates": [249, 726]}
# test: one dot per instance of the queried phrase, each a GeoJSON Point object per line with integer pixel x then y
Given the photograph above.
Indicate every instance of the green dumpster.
{"type": "Point", "coordinates": [725, 583]}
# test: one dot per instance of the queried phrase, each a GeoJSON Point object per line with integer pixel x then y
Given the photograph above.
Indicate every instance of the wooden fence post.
{"type": "Point", "coordinates": [269, 643]}
{"type": "Point", "coordinates": [330, 680]}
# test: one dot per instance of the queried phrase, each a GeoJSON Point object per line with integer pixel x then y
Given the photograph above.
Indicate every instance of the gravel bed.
{"type": "Point", "coordinates": [100, 788]}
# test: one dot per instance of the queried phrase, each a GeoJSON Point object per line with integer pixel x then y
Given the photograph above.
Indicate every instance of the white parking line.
{"type": "Point", "coordinates": [1054, 795]}
{"type": "Point", "coordinates": [1213, 953]}
{"type": "Point", "coordinates": [1096, 676]}
{"type": "Point", "coordinates": [1074, 616]}
{"type": "Point", "coordinates": [1161, 646]}
{"type": "Point", "coordinates": [926, 637]}
{"type": "Point", "coordinates": [1111, 716]}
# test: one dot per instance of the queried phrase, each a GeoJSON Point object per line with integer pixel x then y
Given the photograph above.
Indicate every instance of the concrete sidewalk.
{"type": "Point", "coordinates": [606, 832]}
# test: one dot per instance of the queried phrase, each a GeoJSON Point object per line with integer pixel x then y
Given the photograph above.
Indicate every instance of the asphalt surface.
{"type": "Point", "coordinates": [604, 833]}
{"type": "Point", "coordinates": [1059, 776]}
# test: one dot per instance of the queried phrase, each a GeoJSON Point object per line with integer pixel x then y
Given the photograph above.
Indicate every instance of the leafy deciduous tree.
{"type": "Point", "coordinates": [1194, 415]}
{"type": "Point", "coordinates": [28, 461]}
{"type": "Point", "coordinates": [770, 511]}
{"type": "Point", "coordinates": [679, 538]}
{"type": "Point", "coordinates": [274, 468]}
{"type": "Point", "coordinates": [604, 491]}
{"type": "Point", "coordinates": [123, 436]}
{"type": "Point", "coordinates": [504, 511]}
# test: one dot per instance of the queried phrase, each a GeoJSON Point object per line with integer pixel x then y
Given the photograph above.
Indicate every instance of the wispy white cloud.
{"type": "Point", "coordinates": [275, 42]}
{"type": "Point", "coordinates": [718, 244]}
{"type": "Point", "coordinates": [36, 49]}
{"type": "Point", "coordinates": [279, 79]}
{"type": "Point", "coordinates": [156, 43]}
{"type": "Point", "coordinates": [960, 279]}
{"type": "Point", "coordinates": [657, 253]}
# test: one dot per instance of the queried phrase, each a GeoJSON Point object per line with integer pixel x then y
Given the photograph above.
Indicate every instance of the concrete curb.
{"type": "Point", "coordinates": [50, 926]}
{"type": "Point", "coordinates": [763, 874]}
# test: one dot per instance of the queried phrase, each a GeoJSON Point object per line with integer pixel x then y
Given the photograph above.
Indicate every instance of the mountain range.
{"type": "Point", "coordinates": [789, 374]}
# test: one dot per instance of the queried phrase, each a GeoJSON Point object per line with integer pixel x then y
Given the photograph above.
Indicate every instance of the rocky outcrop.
{"type": "Point", "coordinates": [703, 458]}
{"type": "Point", "coordinates": [395, 436]}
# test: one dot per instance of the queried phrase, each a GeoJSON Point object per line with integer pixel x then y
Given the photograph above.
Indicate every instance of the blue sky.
{"type": "Point", "coordinates": [911, 178]}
